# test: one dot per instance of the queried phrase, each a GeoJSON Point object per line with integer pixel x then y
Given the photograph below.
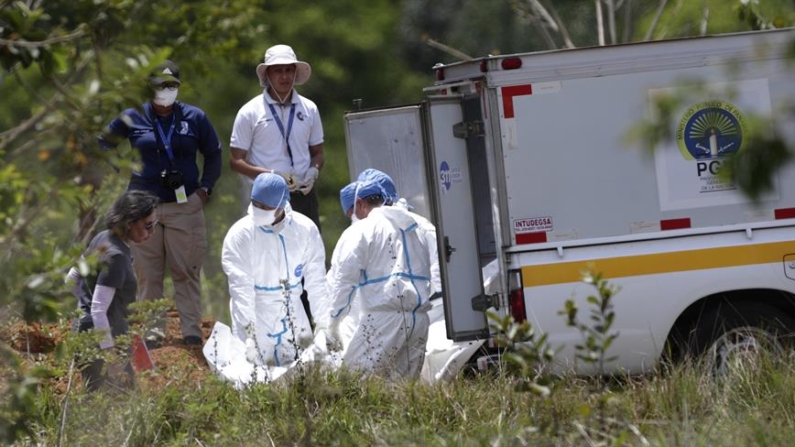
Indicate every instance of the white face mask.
{"type": "Point", "coordinates": [354, 217]}
{"type": "Point", "coordinates": [263, 217]}
{"type": "Point", "coordinates": [165, 97]}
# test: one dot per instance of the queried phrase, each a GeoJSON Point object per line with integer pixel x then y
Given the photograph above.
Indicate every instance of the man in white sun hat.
{"type": "Point", "coordinates": [280, 132]}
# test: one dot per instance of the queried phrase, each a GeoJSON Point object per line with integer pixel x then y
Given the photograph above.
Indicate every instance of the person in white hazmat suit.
{"type": "Point", "coordinates": [381, 264]}
{"type": "Point", "coordinates": [265, 256]}
{"type": "Point", "coordinates": [393, 198]}
{"type": "Point", "coordinates": [443, 357]}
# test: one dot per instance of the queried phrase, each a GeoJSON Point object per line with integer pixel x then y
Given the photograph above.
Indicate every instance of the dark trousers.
{"type": "Point", "coordinates": [306, 205]}
{"type": "Point", "coordinates": [93, 371]}
{"type": "Point", "coordinates": [309, 207]}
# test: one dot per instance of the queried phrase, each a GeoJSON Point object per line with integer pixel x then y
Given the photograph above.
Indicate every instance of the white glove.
{"type": "Point", "coordinates": [72, 277]}
{"type": "Point", "coordinates": [333, 339]}
{"type": "Point", "coordinates": [252, 355]}
{"type": "Point", "coordinates": [309, 180]}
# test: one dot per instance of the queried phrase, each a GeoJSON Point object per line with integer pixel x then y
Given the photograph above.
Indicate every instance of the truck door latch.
{"type": "Point", "coordinates": [482, 303]}
{"type": "Point", "coordinates": [448, 249]}
{"type": "Point", "coordinates": [466, 129]}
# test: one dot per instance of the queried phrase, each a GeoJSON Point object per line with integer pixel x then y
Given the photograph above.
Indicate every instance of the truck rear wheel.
{"type": "Point", "coordinates": [738, 335]}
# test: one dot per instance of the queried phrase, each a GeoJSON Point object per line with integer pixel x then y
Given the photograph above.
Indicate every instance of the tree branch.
{"type": "Point", "coordinates": [447, 49]}
{"type": "Point", "coordinates": [600, 26]}
{"type": "Point", "coordinates": [43, 43]}
{"type": "Point", "coordinates": [524, 11]}
{"type": "Point", "coordinates": [628, 21]}
{"type": "Point", "coordinates": [539, 8]}
{"type": "Point", "coordinates": [555, 20]}
{"type": "Point", "coordinates": [655, 20]}
{"type": "Point", "coordinates": [9, 136]}
{"type": "Point", "coordinates": [611, 20]}
{"type": "Point", "coordinates": [704, 20]}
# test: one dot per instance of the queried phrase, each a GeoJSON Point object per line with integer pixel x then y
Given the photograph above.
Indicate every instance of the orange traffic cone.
{"type": "Point", "coordinates": [141, 360]}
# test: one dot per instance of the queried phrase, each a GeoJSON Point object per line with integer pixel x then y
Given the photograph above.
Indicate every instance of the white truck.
{"type": "Point", "coordinates": [522, 161]}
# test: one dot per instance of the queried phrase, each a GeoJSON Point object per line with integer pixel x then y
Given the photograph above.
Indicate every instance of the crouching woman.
{"type": "Point", "coordinates": [104, 298]}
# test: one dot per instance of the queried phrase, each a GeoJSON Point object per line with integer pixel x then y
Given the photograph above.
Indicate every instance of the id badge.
{"type": "Point", "coordinates": [181, 196]}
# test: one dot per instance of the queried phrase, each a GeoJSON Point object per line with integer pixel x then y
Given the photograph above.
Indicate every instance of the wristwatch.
{"type": "Point", "coordinates": [208, 191]}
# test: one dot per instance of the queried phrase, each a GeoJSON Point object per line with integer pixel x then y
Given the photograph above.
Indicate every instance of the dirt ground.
{"type": "Point", "coordinates": [173, 361]}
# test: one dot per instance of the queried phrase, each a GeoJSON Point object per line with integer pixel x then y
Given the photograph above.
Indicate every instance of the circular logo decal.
{"type": "Point", "coordinates": [444, 175]}
{"type": "Point", "coordinates": [710, 129]}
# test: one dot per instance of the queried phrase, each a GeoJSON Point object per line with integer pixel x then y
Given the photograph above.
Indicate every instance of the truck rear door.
{"type": "Point", "coordinates": [452, 195]}
{"type": "Point", "coordinates": [391, 140]}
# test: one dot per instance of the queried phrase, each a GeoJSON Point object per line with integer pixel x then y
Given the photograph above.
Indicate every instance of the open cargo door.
{"type": "Point", "coordinates": [390, 140]}
{"type": "Point", "coordinates": [451, 184]}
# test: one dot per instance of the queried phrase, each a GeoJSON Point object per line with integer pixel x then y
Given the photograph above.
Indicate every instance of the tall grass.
{"type": "Point", "coordinates": [682, 407]}
{"type": "Point", "coordinates": [751, 403]}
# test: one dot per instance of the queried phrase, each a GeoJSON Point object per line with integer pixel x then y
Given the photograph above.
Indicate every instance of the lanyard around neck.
{"type": "Point", "coordinates": [166, 138]}
{"type": "Point", "coordinates": [281, 127]}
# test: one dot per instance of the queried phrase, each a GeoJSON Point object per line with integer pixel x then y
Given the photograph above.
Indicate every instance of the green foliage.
{"type": "Point", "coordinates": [597, 333]}
{"type": "Point", "coordinates": [753, 406]}
{"type": "Point", "coordinates": [18, 26]}
{"type": "Point", "coordinates": [526, 353]}
{"type": "Point", "coordinates": [684, 19]}
{"type": "Point", "coordinates": [143, 313]}
{"type": "Point", "coordinates": [21, 394]}
{"type": "Point", "coordinates": [649, 133]}
{"type": "Point", "coordinates": [753, 169]}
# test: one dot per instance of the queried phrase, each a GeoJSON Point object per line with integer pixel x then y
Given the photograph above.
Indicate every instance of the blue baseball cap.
{"type": "Point", "coordinates": [388, 188]}
{"type": "Point", "coordinates": [270, 190]}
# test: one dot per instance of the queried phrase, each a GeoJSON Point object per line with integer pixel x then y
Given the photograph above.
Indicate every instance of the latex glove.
{"type": "Point", "coordinates": [252, 355]}
{"type": "Point", "coordinates": [72, 277]}
{"type": "Point", "coordinates": [309, 180]}
{"type": "Point", "coordinates": [292, 183]}
{"type": "Point", "coordinates": [333, 339]}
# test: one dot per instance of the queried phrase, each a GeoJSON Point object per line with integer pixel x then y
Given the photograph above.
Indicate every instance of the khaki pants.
{"type": "Point", "coordinates": [179, 242]}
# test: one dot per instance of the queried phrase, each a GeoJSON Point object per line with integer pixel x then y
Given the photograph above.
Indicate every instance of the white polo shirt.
{"type": "Point", "coordinates": [256, 131]}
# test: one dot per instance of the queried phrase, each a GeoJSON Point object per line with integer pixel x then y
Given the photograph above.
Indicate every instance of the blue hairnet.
{"type": "Point", "coordinates": [270, 190]}
{"type": "Point", "coordinates": [370, 188]}
{"type": "Point", "coordinates": [347, 196]}
{"type": "Point", "coordinates": [389, 190]}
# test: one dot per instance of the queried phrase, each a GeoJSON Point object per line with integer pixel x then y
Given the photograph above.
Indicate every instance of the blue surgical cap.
{"type": "Point", "coordinates": [370, 188]}
{"type": "Point", "coordinates": [347, 196]}
{"type": "Point", "coordinates": [384, 181]}
{"type": "Point", "coordinates": [270, 190]}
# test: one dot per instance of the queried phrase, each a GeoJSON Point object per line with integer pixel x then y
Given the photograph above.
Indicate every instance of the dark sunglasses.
{"type": "Point", "coordinates": [166, 86]}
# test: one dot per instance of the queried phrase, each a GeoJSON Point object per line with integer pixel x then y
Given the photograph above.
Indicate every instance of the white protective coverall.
{"type": "Point", "coordinates": [430, 234]}
{"type": "Point", "coordinates": [265, 266]}
{"type": "Point", "coordinates": [381, 269]}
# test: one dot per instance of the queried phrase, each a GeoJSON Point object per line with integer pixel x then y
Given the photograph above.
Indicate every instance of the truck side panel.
{"type": "Point", "coordinates": [657, 280]}
{"type": "Point", "coordinates": [569, 144]}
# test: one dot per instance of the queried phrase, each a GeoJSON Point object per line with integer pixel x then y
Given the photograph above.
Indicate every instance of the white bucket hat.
{"type": "Point", "coordinates": [283, 55]}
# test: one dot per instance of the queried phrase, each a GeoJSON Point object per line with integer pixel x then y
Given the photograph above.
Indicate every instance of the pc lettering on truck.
{"type": "Point", "coordinates": [522, 163]}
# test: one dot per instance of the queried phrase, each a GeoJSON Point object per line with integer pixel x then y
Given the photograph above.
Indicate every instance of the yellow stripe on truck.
{"type": "Point", "coordinates": [651, 264]}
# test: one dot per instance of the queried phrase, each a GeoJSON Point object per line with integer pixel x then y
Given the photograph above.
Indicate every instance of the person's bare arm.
{"type": "Point", "coordinates": [316, 154]}
{"type": "Point", "coordinates": [238, 163]}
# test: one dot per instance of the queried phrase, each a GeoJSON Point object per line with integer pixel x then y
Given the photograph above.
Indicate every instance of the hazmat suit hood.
{"type": "Point", "coordinates": [400, 217]}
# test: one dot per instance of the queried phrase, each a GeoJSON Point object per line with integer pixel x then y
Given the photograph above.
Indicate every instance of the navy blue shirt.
{"type": "Point", "coordinates": [192, 132]}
